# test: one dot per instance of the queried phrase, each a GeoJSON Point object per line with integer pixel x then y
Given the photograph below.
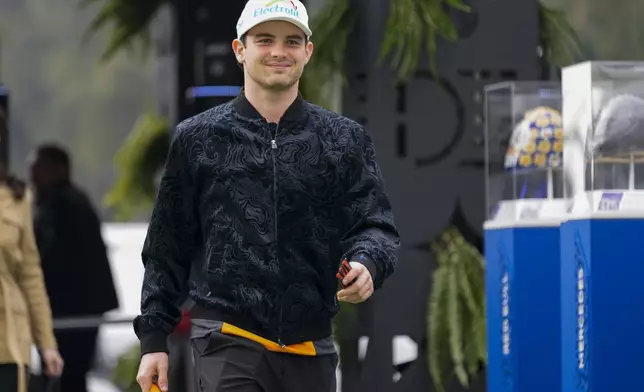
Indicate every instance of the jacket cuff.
{"type": "Point", "coordinates": [370, 264]}
{"type": "Point", "coordinates": [154, 342]}
{"type": "Point", "coordinates": [49, 344]}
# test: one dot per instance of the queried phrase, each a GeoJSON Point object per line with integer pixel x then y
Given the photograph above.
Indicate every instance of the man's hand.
{"type": "Point", "coordinates": [361, 288]}
{"type": "Point", "coordinates": [53, 362]}
{"type": "Point", "coordinates": [153, 364]}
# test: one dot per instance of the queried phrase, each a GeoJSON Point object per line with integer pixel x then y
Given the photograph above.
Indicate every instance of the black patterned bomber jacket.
{"type": "Point", "coordinates": [253, 219]}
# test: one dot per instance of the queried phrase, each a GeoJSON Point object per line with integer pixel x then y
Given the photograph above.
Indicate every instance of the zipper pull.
{"type": "Point", "coordinates": [273, 144]}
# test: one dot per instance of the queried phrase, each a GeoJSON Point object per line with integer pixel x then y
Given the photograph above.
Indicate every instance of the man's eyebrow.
{"type": "Point", "coordinates": [267, 35]}
{"type": "Point", "coordinates": [264, 35]}
{"type": "Point", "coordinates": [297, 37]}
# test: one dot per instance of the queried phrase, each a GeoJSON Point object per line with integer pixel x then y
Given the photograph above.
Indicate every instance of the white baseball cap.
{"type": "Point", "coordinates": [260, 11]}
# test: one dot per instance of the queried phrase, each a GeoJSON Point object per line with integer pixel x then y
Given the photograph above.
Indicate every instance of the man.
{"type": "Point", "coordinates": [74, 260]}
{"type": "Point", "coordinates": [260, 201]}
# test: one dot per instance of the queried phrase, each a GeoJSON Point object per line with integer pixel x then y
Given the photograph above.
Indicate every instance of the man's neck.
{"type": "Point", "coordinates": [270, 104]}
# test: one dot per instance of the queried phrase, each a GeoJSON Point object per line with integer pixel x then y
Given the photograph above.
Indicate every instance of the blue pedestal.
{"type": "Point", "coordinates": [602, 305]}
{"type": "Point", "coordinates": [523, 309]}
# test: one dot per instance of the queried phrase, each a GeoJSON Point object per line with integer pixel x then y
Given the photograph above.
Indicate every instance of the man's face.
{"type": "Point", "coordinates": [274, 55]}
{"type": "Point", "coordinates": [40, 174]}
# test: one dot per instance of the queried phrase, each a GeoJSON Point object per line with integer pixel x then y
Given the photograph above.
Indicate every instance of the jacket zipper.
{"type": "Point", "coordinates": [273, 148]}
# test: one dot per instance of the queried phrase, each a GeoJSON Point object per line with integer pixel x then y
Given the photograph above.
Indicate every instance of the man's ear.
{"type": "Point", "coordinates": [238, 50]}
{"type": "Point", "coordinates": [309, 51]}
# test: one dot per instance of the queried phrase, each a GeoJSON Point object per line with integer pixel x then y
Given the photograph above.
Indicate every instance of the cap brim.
{"type": "Point", "coordinates": [307, 31]}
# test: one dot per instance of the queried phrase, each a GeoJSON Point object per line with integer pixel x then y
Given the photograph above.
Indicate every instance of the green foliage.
{"type": "Point", "coordinates": [139, 161]}
{"type": "Point", "coordinates": [131, 20]}
{"type": "Point", "coordinates": [456, 317]}
{"type": "Point", "coordinates": [559, 41]}
{"type": "Point", "coordinates": [347, 315]}
{"type": "Point", "coordinates": [332, 25]}
{"type": "Point", "coordinates": [124, 375]}
{"type": "Point", "coordinates": [412, 23]}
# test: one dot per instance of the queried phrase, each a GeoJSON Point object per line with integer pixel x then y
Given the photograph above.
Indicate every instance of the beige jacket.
{"type": "Point", "coordinates": [25, 314]}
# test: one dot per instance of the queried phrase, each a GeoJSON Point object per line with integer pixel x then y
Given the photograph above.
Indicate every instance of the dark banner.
{"type": "Point", "coordinates": [429, 141]}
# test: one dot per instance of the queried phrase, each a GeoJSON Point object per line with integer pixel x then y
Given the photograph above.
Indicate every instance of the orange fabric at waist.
{"type": "Point", "coordinates": [305, 348]}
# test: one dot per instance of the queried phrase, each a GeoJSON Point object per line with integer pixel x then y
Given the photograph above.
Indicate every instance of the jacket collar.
{"type": "Point", "coordinates": [295, 112]}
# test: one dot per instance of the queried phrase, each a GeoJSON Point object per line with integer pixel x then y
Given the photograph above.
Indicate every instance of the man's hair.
{"type": "Point", "coordinates": [55, 155]}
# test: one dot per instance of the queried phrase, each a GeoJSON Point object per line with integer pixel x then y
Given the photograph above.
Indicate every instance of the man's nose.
{"type": "Point", "coordinates": [278, 50]}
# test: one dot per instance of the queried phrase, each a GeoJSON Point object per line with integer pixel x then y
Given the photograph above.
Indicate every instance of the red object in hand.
{"type": "Point", "coordinates": [345, 267]}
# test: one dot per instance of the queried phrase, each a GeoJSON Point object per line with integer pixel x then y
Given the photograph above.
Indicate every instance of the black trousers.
{"type": "Point", "coordinates": [9, 377]}
{"type": "Point", "coordinates": [226, 363]}
{"type": "Point", "coordinates": [77, 347]}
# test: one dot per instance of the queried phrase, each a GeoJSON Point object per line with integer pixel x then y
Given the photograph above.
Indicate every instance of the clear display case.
{"type": "Point", "coordinates": [524, 144]}
{"type": "Point", "coordinates": [603, 104]}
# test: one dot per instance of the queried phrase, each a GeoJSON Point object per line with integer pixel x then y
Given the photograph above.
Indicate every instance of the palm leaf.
{"type": "Point", "coordinates": [470, 350]}
{"type": "Point", "coordinates": [332, 25]}
{"type": "Point", "coordinates": [475, 272]}
{"type": "Point", "coordinates": [130, 20]}
{"type": "Point", "coordinates": [559, 41]}
{"type": "Point", "coordinates": [466, 292]}
{"type": "Point", "coordinates": [455, 326]}
{"type": "Point", "coordinates": [471, 321]}
{"type": "Point", "coordinates": [438, 330]}
{"type": "Point", "coordinates": [414, 26]}
{"type": "Point", "coordinates": [473, 292]}
{"type": "Point", "coordinates": [457, 304]}
{"type": "Point", "coordinates": [473, 287]}
{"type": "Point", "coordinates": [138, 161]}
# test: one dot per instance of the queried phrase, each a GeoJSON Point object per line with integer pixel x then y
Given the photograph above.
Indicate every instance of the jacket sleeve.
{"type": "Point", "coordinates": [372, 237]}
{"type": "Point", "coordinates": [31, 282]}
{"type": "Point", "coordinates": [170, 241]}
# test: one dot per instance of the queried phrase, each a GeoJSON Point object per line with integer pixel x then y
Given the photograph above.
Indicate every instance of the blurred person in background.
{"type": "Point", "coordinates": [25, 315]}
{"type": "Point", "coordinates": [74, 260]}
